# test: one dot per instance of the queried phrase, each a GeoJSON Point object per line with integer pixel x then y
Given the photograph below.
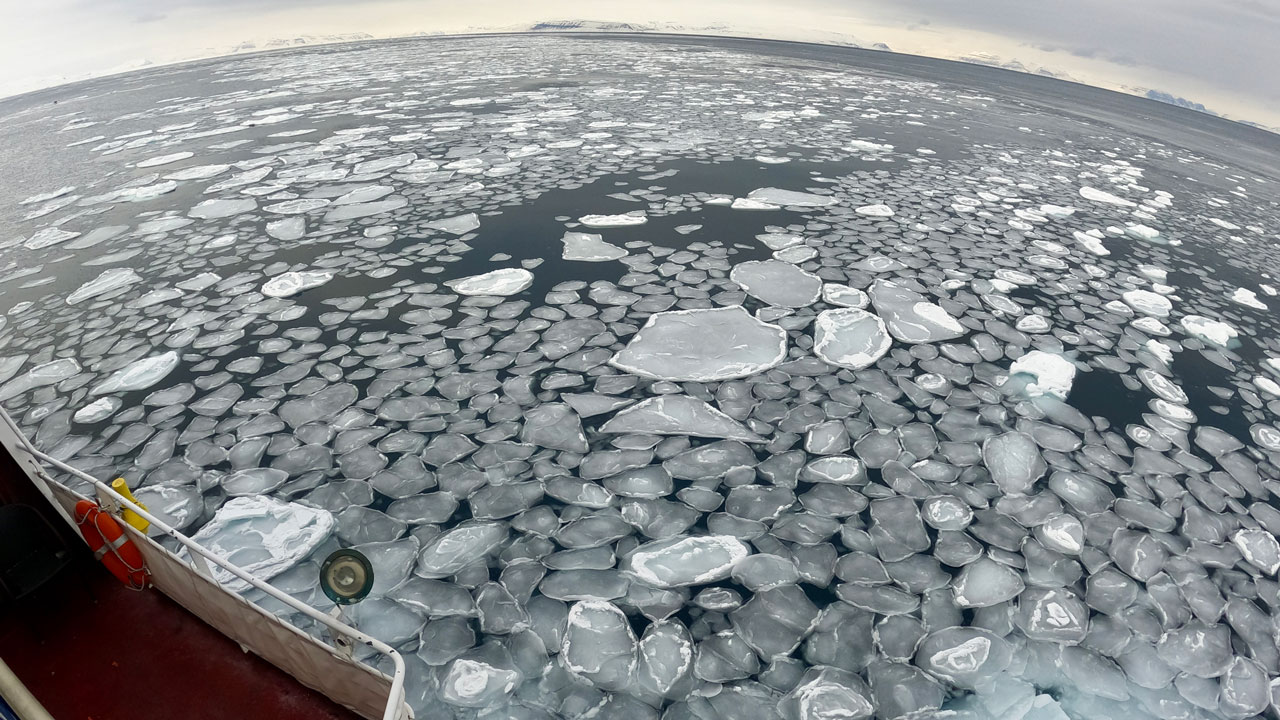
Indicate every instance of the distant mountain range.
{"type": "Point", "coordinates": [298, 41]}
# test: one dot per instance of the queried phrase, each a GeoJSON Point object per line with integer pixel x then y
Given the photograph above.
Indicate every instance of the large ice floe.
{"type": "Point", "coordinates": [633, 419]}
{"type": "Point", "coordinates": [702, 346]}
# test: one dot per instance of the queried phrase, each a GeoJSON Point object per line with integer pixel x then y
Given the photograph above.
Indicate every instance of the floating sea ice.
{"type": "Point", "coordinates": [599, 645]}
{"type": "Point", "coordinates": [692, 560]}
{"type": "Point", "coordinates": [1248, 298]}
{"type": "Point", "coordinates": [47, 374]}
{"type": "Point", "coordinates": [459, 225]}
{"type": "Point", "coordinates": [1148, 303]}
{"type": "Point", "coordinates": [827, 693]}
{"type": "Point", "coordinates": [290, 228]}
{"type": "Point", "coordinates": [262, 535]}
{"type": "Point", "coordinates": [844, 296]}
{"type": "Point", "coordinates": [138, 375]}
{"type": "Point", "coordinates": [507, 281]}
{"type": "Point", "coordinates": [253, 481]}
{"type": "Point", "coordinates": [49, 237]}
{"type": "Point", "coordinates": [108, 281]}
{"type": "Point", "coordinates": [631, 218]}
{"type": "Point", "coordinates": [1091, 243]}
{"type": "Point", "coordinates": [909, 317]}
{"type": "Point", "coordinates": [870, 147]}
{"type": "Point", "coordinates": [480, 677]}
{"type": "Point", "coordinates": [797, 254]}
{"type": "Point", "coordinates": [1103, 196]}
{"type": "Point", "coordinates": [1259, 548]}
{"type": "Point", "coordinates": [98, 410]}
{"type": "Point", "coordinates": [850, 338]}
{"type": "Point", "coordinates": [875, 211]}
{"type": "Point", "coordinates": [686, 229]}
{"type": "Point", "coordinates": [1142, 232]}
{"type": "Point", "coordinates": [588, 247]}
{"type": "Point", "coordinates": [1214, 332]}
{"type": "Point", "coordinates": [164, 159]}
{"type": "Point", "coordinates": [790, 198]}
{"type": "Point", "coordinates": [297, 207]}
{"type": "Point", "coordinates": [1014, 461]}
{"type": "Point", "coordinates": [198, 172]}
{"type": "Point", "coordinates": [44, 197]}
{"type": "Point", "coordinates": [293, 282]}
{"type": "Point", "coordinates": [985, 582]}
{"type": "Point", "coordinates": [678, 415]}
{"type": "Point", "coordinates": [702, 346]}
{"type": "Point", "coordinates": [769, 160]}
{"type": "Point", "coordinates": [367, 193]}
{"type": "Point", "coordinates": [664, 658]}
{"type": "Point", "coordinates": [146, 192]}
{"type": "Point", "coordinates": [359, 210]}
{"type": "Point", "coordinates": [779, 241]}
{"type": "Point", "coordinates": [968, 657]}
{"type": "Point", "coordinates": [1052, 374]}
{"type": "Point", "coordinates": [777, 283]}
{"type": "Point", "coordinates": [460, 546]}
{"type": "Point", "coordinates": [221, 208]}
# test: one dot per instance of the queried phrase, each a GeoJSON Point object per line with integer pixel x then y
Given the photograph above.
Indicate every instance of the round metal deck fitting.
{"type": "Point", "coordinates": [346, 576]}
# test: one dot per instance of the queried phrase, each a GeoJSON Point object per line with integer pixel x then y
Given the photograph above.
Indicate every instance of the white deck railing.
{"type": "Point", "coordinates": [395, 709]}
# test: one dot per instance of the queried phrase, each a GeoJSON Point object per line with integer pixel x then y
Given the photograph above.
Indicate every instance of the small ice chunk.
{"type": "Point", "coordinates": [98, 410]}
{"type": "Point", "coordinates": [844, 296]}
{"type": "Point", "coordinates": [1248, 298]}
{"type": "Point", "coordinates": [164, 159]}
{"type": "Point", "coordinates": [46, 374]}
{"type": "Point", "coordinates": [291, 283]}
{"type": "Point", "coordinates": [777, 283]}
{"type": "Point", "coordinates": [909, 317]}
{"type": "Point", "coordinates": [222, 208]}
{"type": "Point", "coordinates": [791, 198]}
{"type": "Point", "coordinates": [985, 582]}
{"type": "Point", "coordinates": [968, 657]}
{"type": "Point", "coordinates": [138, 375]}
{"type": "Point", "coordinates": [1102, 196]}
{"type": "Point", "coordinates": [702, 346]}
{"type": "Point", "coordinates": [588, 247]}
{"type": "Point", "coordinates": [850, 338]}
{"type": "Point", "coordinates": [827, 693]}
{"type": "Point", "coordinates": [507, 281]}
{"type": "Point", "coordinates": [599, 645]}
{"type": "Point", "coordinates": [263, 536]}
{"type": "Point", "coordinates": [1014, 461]}
{"type": "Point", "coordinates": [678, 415]}
{"type": "Point", "coordinates": [460, 546]}
{"type": "Point", "coordinates": [458, 225]}
{"type": "Point", "coordinates": [625, 220]}
{"type": "Point", "coordinates": [1259, 548]}
{"type": "Point", "coordinates": [1148, 303]}
{"type": "Point", "coordinates": [108, 281]}
{"type": "Point", "coordinates": [693, 560]}
{"type": "Point", "coordinates": [1214, 332]}
{"type": "Point", "coordinates": [49, 237]}
{"type": "Point", "coordinates": [875, 211]}
{"type": "Point", "coordinates": [1052, 374]}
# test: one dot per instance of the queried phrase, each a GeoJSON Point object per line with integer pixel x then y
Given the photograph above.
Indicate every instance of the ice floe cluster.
{"type": "Point", "coordinates": [704, 384]}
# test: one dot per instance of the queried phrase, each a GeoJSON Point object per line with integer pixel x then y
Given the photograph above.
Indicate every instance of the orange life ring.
{"type": "Point", "coordinates": [110, 545]}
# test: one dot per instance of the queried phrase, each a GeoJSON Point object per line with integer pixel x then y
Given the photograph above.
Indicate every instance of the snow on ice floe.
{"type": "Point", "coordinates": [605, 221]}
{"type": "Point", "coordinates": [138, 375]}
{"type": "Point", "coordinates": [291, 283]}
{"type": "Point", "coordinates": [681, 562]}
{"type": "Point", "coordinates": [589, 247]}
{"type": "Point", "coordinates": [1148, 303]}
{"type": "Point", "coordinates": [109, 281]}
{"type": "Point", "coordinates": [1102, 196]}
{"type": "Point", "coordinates": [507, 281]}
{"type": "Point", "coordinates": [909, 317]}
{"type": "Point", "coordinates": [777, 283]}
{"type": "Point", "coordinates": [678, 415]}
{"type": "Point", "coordinates": [789, 198]}
{"type": "Point", "coordinates": [98, 410]}
{"type": "Point", "coordinates": [850, 338]}
{"type": "Point", "coordinates": [1049, 374]}
{"type": "Point", "coordinates": [702, 346]}
{"type": "Point", "coordinates": [1211, 331]}
{"type": "Point", "coordinates": [263, 536]}
{"type": "Point", "coordinates": [875, 211]}
{"type": "Point", "coordinates": [1248, 298]}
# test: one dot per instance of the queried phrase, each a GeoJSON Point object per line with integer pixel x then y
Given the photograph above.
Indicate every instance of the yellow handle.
{"type": "Point", "coordinates": [131, 517]}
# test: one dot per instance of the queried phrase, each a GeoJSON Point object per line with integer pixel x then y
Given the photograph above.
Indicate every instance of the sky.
{"type": "Point", "coordinates": [1221, 53]}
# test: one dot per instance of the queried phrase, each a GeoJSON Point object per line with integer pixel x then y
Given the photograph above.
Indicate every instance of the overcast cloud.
{"type": "Point", "coordinates": [1218, 52]}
